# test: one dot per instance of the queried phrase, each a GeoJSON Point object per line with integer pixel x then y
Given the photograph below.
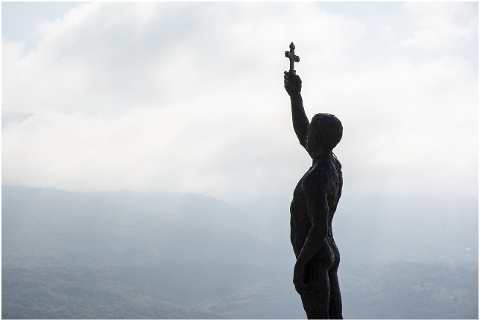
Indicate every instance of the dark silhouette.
{"type": "Point", "coordinates": [314, 203]}
{"type": "Point", "coordinates": [292, 57]}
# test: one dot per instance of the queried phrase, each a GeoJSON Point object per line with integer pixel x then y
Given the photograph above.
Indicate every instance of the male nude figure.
{"type": "Point", "coordinates": [314, 203]}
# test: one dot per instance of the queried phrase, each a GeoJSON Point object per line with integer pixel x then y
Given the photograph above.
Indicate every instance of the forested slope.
{"type": "Point", "coordinates": [126, 255]}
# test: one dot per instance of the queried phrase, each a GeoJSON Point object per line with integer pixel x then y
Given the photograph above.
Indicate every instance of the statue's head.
{"type": "Point", "coordinates": [325, 132]}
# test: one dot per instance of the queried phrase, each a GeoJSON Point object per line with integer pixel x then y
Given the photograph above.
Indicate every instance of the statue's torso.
{"type": "Point", "coordinates": [327, 172]}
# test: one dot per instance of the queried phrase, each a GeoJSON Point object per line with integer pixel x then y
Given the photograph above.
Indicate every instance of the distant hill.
{"type": "Point", "coordinates": [440, 227]}
{"type": "Point", "coordinates": [47, 226]}
{"type": "Point", "coordinates": [128, 255]}
{"type": "Point", "coordinates": [192, 290]}
{"type": "Point", "coordinates": [171, 290]}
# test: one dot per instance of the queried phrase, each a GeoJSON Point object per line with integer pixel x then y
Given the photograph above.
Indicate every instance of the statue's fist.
{"type": "Point", "coordinates": [300, 286]}
{"type": "Point", "coordinates": [292, 83]}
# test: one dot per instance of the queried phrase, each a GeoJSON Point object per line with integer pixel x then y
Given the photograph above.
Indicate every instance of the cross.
{"type": "Point", "coordinates": [291, 55]}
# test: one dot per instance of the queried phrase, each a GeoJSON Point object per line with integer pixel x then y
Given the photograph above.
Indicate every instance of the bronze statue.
{"type": "Point", "coordinates": [314, 203]}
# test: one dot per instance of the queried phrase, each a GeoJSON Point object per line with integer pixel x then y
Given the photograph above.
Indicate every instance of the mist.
{"type": "Point", "coordinates": [157, 137]}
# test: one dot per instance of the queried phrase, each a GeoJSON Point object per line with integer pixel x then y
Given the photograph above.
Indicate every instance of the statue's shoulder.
{"type": "Point", "coordinates": [323, 174]}
{"type": "Point", "coordinates": [316, 176]}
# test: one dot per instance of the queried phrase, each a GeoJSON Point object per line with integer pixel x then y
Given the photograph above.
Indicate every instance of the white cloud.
{"type": "Point", "coordinates": [416, 122]}
{"type": "Point", "coordinates": [442, 25]}
{"type": "Point", "coordinates": [114, 54]}
{"type": "Point", "coordinates": [189, 97]}
{"type": "Point", "coordinates": [387, 33]}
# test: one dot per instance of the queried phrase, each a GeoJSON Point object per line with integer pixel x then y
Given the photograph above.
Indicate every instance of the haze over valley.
{"type": "Point", "coordinates": [168, 255]}
{"type": "Point", "coordinates": [149, 159]}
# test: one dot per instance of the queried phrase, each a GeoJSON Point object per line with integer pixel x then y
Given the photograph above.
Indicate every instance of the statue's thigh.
{"type": "Point", "coordinates": [316, 276]}
{"type": "Point", "coordinates": [316, 304]}
{"type": "Point", "coordinates": [335, 306]}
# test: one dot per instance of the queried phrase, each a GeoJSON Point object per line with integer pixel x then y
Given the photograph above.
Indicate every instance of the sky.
{"type": "Point", "coordinates": [188, 96]}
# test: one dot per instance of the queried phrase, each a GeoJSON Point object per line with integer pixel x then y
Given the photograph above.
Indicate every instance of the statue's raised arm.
{"type": "Point", "coordinates": [293, 86]}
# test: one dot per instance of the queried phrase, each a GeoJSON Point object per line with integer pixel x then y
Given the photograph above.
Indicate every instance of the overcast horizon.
{"type": "Point", "coordinates": [189, 97]}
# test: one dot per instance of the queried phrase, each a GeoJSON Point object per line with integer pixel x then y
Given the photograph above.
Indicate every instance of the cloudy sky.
{"type": "Point", "coordinates": [189, 97]}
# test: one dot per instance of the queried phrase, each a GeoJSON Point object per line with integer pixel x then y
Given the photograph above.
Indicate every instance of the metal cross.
{"type": "Point", "coordinates": [291, 56]}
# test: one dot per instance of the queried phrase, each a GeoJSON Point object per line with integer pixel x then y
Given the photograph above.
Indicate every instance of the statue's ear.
{"type": "Point", "coordinates": [317, 139]}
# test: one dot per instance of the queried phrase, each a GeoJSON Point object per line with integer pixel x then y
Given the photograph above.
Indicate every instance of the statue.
{"type": "Point", "coordinates": [315, 200]}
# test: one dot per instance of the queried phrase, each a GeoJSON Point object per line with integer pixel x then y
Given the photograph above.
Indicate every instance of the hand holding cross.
{"type": "Point", "coordinates": [292, 57]}
{"type": "Point", "coordinates": [291, 81]}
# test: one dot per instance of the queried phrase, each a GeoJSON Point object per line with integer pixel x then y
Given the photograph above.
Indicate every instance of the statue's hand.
{"type": "Point", "coordinates": [292, 83]}
{"type": "Point", "coordinates": [297, 280]}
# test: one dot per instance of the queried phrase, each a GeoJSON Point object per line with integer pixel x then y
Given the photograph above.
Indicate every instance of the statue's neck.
{"type": "Point", "coordinates": [319, 156]}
